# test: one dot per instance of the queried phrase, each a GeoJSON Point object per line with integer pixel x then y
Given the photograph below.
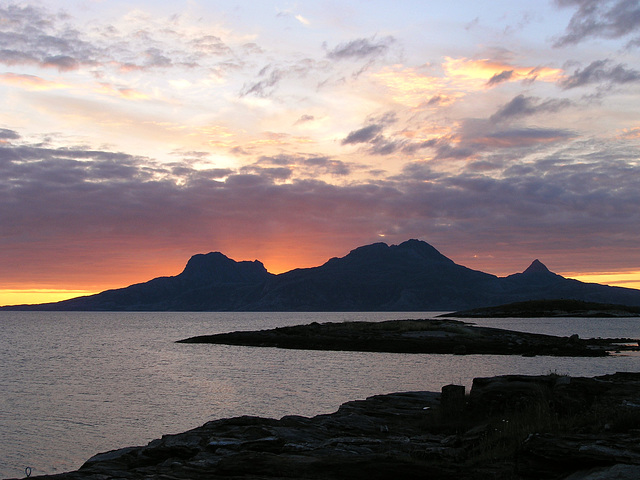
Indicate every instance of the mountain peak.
{"type": "Point", "coordinates": [537, 267]}
{"type": "Point", "coordinates": [215, 267]}
{"type": "Point", "coordinates": [423, 250]}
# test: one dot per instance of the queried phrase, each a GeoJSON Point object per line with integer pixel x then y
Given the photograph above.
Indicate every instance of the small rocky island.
{"type": "Point", "coordinates": [419, 336]}
{"type": "Point", "coordinates": [508, 427]}
{"type": "Point", "coordinates": [550, 308]}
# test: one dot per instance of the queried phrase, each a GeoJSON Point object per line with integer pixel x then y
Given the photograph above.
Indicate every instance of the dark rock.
{"type": "Point", "coordinates": [417, 336]}
{"type": "Point", "coordinates": [514, 427]}
{"type": "Point", "coordinates": [452, 400]}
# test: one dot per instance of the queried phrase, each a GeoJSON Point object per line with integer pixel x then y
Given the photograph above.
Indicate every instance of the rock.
{"type": "Point", "coordinates": [616, 472]}
{"type": "Point", "coordinates": [452, 400]}
{"type": "Point", "coordinates": [509, 427]}
{"type": "Point", "coordinates": [417, 336]}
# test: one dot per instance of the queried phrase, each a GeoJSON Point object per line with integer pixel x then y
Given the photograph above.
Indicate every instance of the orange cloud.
{"type": "Point", "coordinates": [410, 87]}
{"type": "Point", "coordinates": [483, 71]}
{"type": "Point", "coordinates": [630, 133]}
{"type": "Point", "coordinates": [122, 92]}
{"type": "Point", "coordinates": [30, 82]}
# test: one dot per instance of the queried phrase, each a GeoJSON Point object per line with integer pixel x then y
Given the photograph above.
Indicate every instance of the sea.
{"type": "Point", "coordinates": [74, 384]}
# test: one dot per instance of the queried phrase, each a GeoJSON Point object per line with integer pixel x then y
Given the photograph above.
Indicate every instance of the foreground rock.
{"type": "Point", "coordinates": [418, 336]}
{"type": "Point", "coordinates": [509, 427]}
{"type": "Point", "coordinates": [550, 308]}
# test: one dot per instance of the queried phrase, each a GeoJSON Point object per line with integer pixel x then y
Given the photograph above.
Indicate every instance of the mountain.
{"type": "Point", "coordinates": [412, 276]}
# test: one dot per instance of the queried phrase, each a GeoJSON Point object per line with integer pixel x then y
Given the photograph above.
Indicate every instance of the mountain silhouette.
{"type": "Point", "coordinates": [411, 276]}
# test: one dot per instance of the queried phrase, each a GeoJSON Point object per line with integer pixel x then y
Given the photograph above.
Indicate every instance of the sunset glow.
{"type": "Point", "coordinates": [136, 134]}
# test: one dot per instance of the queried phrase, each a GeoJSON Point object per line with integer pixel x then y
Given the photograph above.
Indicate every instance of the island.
{"type": "Point", "coordinates": [507, 427]}
{"type": "Point", "coordinates": [550, 308]}
{"type": "Point", "coordinates": [442, 336]}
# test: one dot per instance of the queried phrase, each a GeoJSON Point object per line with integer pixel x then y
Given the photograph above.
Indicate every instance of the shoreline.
{"type": "Point", "coordinates": [510, 426]}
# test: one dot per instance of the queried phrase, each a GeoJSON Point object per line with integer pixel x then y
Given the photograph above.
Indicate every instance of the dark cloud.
{"type": "Point", "coordinates": [272, 75]}
{"type": "Point", "coordinates": [362, 135]}
{"type": "Point", "coordinates": [212, 45]}
{"type": "Point", "coordinates": [478, 137]}
{"type": "Point", "coordinates": [483, 166]}
{"type": "Point", "coordinates": [447, 150]}
{"type": "Point", "coordinates": [526, 136]}
{"type": "Point", "coordinates": [601, 19]}
{"type": "Point", "coordinates": [157, 58]}
{"type": "Point", "coordinates": [14, 57]}
{"type": "Point", "coordinates": [35, 36]}
{"type": "Point", "coordinates": [379, 144]}
{"type": "Point", "coordinates": [277, 174]}
{"type": "Point", "coordinates": [385, 146]}
{"type": "Point", "coordinates": [73, 207]}
{"type": "Point", "coordinates": [304, 119]}
{"type": "Point", "coordinates": [264, 87]}
{"type": "Point", "coordinates": [522, 106]}
{"type": "Point", "coordinates": [308, 166]}
{"type": "Point", "coordinates": [6, 134]}
{"type": "Point", "coordinates": [499, 78]}
{"type": "Point", "coordinates": [600, 72]}
{"type": "Point", "coordinates": [61, 62]}
{"type": "Point", "coordinates": [361, 48]}
{"type": "Point", "coordinates": [31, 35]}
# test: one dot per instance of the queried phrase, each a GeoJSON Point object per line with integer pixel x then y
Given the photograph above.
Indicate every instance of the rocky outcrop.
{"type": "Point", "coordinates": [509, 427]}
{"type": "Point", "coordinates": [418, 336]}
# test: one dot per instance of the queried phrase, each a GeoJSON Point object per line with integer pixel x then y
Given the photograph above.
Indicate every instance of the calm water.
{"type": "Point", "coordinates": [75, 384]}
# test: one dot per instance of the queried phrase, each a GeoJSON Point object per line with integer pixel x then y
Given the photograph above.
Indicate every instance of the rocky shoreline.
{"type": "Point", "coordinates": [419, 336]}
{"type": "Point", "coordinates": [507, 427]}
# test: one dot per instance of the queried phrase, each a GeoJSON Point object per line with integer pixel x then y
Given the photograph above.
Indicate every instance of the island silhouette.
{"type": "Point", "coordinates": [411, 276]}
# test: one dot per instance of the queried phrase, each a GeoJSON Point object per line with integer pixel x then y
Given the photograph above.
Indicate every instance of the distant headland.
{"type": "Point", "coordinates": [549, 308]}
{"type": "Point", "coordinates": [411, 276]}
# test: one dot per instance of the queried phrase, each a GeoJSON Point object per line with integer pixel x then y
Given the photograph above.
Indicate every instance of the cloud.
{"type": "Point", "coordinates": [63, 63]}
{"type": "Point", "coordinates": [6, 134]}
{"type": "Point", "coordinates": [212, 45]}
{"type": "Point", "coordinates": [309, 166]}
{"type": "Point", "coordinates": [80, 207]}
{"type": "Point", "coordinates": [478, 137]}
{"type": "Point", "coordinates": [523, 137]}
{"type": "Point", "coordinates": [302, 20]}
{"type": "Point", "coordinates": [499, 78]}
{"type": "Point", "coordinates": [488, 72]}
{"type": "Point", "coordinates": [522, 106]}
{"type": "Point", "coordinates": [32, 35]}
{"type": "Point", "coordinates": [30, 82]}
{"type": "Point", "coordinates": [361, 48]}
{"type": "Point", "coordinates": [272, 75]}
{"type": "Point", "coordinates": [600, 72]}
{"type": "Point", "coordinates": [264, 87]}
{"type": "Point", "coordinates": [600, 19]}
{"type": "Point", "coordinates": [304, 119]}
{"type": "Point", "coordinates": [362, 135]}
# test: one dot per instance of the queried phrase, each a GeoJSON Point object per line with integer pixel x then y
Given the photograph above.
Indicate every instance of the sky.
{"type": "Point", "coordinates": [136, 134]}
